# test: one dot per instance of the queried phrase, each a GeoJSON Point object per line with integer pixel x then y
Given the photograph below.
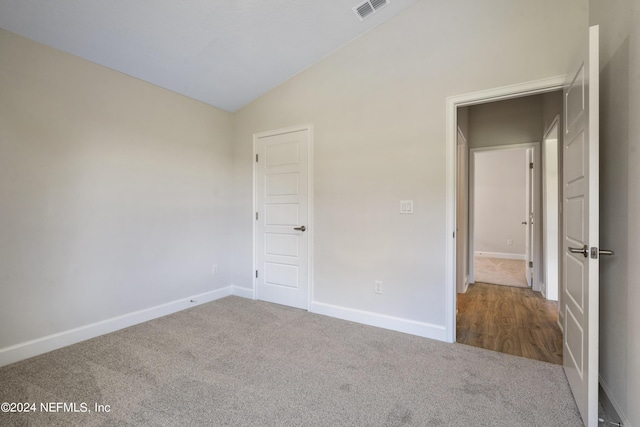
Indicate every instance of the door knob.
{"type": "Point", "coordinates": [595, 252]}
{"type": "Point", "coordinates": [583, 250]}
{"type": "Point", "coordinates": [302, 228]}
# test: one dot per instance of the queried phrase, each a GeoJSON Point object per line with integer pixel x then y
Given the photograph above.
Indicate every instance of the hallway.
{"type": "Point", "coordinates": [510, 320]}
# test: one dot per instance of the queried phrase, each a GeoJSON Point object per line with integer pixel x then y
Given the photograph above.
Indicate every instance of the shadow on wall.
{"type": "Point", "coordinates": [614, 220]}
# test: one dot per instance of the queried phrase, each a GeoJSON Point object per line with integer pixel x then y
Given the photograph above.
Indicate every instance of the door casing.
{"type": "Point", "coordinates": [452, 104]}
{"type": "Point", "coordinates": [536, 244]}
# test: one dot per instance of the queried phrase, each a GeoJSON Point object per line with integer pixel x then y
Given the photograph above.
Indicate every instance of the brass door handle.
{"type": "Point", "coordinates": [302, 228]}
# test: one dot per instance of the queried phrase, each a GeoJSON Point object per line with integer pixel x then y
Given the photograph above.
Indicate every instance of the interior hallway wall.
{"type": "Point", "coordinates": [500, 185]}
{"type": "Point", "coordinates": [512, 121]}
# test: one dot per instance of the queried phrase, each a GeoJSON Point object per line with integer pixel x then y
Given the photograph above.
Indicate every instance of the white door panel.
{"type": "Point", "coordinates": [580, 194]}
{"type": "Point", "coordinates": [282, 215]}
{"type": "Point", "coordinates": [282, 184]}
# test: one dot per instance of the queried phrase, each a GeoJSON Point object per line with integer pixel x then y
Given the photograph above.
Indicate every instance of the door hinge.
{"type": "Point", "coordinates": [531, 264]}
{"type": "Point", "coordinates": [530, 165]}
{"type": "Point", "coordinates": [256, 216]}
{"type": "Point", "coordinates": [256, 158]}
{"type": "Point", "coordinates": [256, 274]}
{"type": "Point", "coordinates": [454, 234]}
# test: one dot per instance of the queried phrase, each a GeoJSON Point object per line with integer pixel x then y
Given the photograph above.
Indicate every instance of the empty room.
{"type": "Point", "coordinates": [246, 213]}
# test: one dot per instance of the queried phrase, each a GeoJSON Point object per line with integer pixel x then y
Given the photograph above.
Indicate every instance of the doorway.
{"type": "Point", "coordinates": [523, 322]}
{"type": "Point", "coordinates": [502, 215]}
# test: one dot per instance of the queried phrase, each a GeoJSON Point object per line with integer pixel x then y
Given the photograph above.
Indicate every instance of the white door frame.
{"type": "Point", "coordinates": [310, 224]}
{"type": "Point", "coordinates": [552, 275]}
{"type": "Point", "coordinates": [452, 104]}
{"type": "Point", "coordinates": [535, 146]}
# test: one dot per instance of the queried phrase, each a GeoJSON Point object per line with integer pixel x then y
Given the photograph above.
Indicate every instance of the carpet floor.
{"type": "Point", "coordinates": [239, 362]}
{"type": "Point", "coordinates": [498, 271]}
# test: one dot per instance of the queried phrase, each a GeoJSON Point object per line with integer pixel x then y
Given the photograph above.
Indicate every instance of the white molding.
{"type": "Point", "coordinates": [537, 248]}
{"type": "Point", "coordinates": [554, 122]}
{"type": "Point", "coordinates": [508, 92]}
{"type": "Point", "coordinates": [239, 291]}
{"type": "Point", "coordinates": [463, 138]}
{"type": "Point", "coordinates": [619, 412]}
{"type": "Point", "coordinates": [58, 340]}
{"type": "Point", "coordinates": [500, 255]}
{"type": "Point", "coordinates": [422, 329]}
{"type": "Point", "coordinates": [310, 185]}
{"type": "Point", "coordinates": [506, 147]}
{"type": "Point", "coordinates": [466, 284]}
{"type": "Point", "coordinates": [452, 103]}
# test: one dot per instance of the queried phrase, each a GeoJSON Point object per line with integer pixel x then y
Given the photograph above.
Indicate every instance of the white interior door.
{"type": "Point", "coordinates": [529, 225]}
{"type": "Point", "coordinates": [282, 215]}
{"type": "Point", "coordinates": [580, 252]}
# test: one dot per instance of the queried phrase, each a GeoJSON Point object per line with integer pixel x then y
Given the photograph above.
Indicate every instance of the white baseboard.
{"type": "Point", "coordinates": [242, 292]}
{"type": "Point", "coordinates": [614, 404]}
{"type": "Point", "coordinates": [42, 345]}
{"type": "Point", "coordinates": [502, 255]}
{"type": "Point", "coordinates": [426, 330]}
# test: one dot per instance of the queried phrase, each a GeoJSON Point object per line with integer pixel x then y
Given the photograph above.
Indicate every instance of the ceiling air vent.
{"type": "Point", "coordinates": [369, 7]}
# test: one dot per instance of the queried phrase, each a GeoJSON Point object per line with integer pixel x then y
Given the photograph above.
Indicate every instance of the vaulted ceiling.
{"type": "Point", "coordinates": [225, 53]}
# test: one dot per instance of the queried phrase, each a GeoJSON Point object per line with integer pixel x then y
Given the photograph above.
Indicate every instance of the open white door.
{"type": "Point", "coordinates": [581, 233]}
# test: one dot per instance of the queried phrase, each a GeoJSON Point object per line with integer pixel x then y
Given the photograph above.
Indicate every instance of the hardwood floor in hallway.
{"type": "Point", "coordinates": [509, 320]}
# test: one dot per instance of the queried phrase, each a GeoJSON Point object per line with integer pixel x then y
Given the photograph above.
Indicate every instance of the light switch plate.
{"type": "Point", "coordinates": [406, 206]}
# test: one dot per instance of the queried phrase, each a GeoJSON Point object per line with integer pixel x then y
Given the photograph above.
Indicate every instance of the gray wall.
{"type": "Point", "coordinates": [500, 184]}
{"type": "Point", "coordinates": [113, 193]}
{"type": "Point", "coordinates": [619, 22]}
{"type": "Point", "coordinates": [378, 108]}
{"type": "Point", "coordinates": [512, 121]}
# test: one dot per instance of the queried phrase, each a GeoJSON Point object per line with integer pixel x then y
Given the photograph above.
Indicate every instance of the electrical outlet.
{"type": "Point", "coordinates": [509, 242]}
{"type": "Point", "coordinates": [214, 269]}
{"type": "Point", "coordinates": [377, 287]}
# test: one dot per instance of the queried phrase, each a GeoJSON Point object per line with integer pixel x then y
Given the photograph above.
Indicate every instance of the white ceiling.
{"type": "Point", "coordinates": [225, 53]}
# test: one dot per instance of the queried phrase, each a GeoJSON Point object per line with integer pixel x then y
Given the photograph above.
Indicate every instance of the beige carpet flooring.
{"type": "Point", "coordinates": [238, 362]}
{"type": "Point", "coordinates": [498, 271]}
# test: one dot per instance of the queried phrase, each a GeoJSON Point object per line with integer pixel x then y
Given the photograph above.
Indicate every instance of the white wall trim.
{"type": "Point", "coordinates": [500, 255]}
{"type": "Point", "coordinates": [239, 291]}
{"type": "Point", "coordinates": [548, 237]}
{"type": "Point", "coordinates": [466, 284]}
{"type": "Point", "coordinates": [616, 406]}
{"type": "Point", "coordinates": [452, 103]}
{"type": "Point", "coordinates": [537, 243]}
{"type": "Point", "coordinates": [463, 139]}
{"type": "Point", "coordinates": [42, 345]}
{"type": "Point", "coordinates": [422, 329]}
